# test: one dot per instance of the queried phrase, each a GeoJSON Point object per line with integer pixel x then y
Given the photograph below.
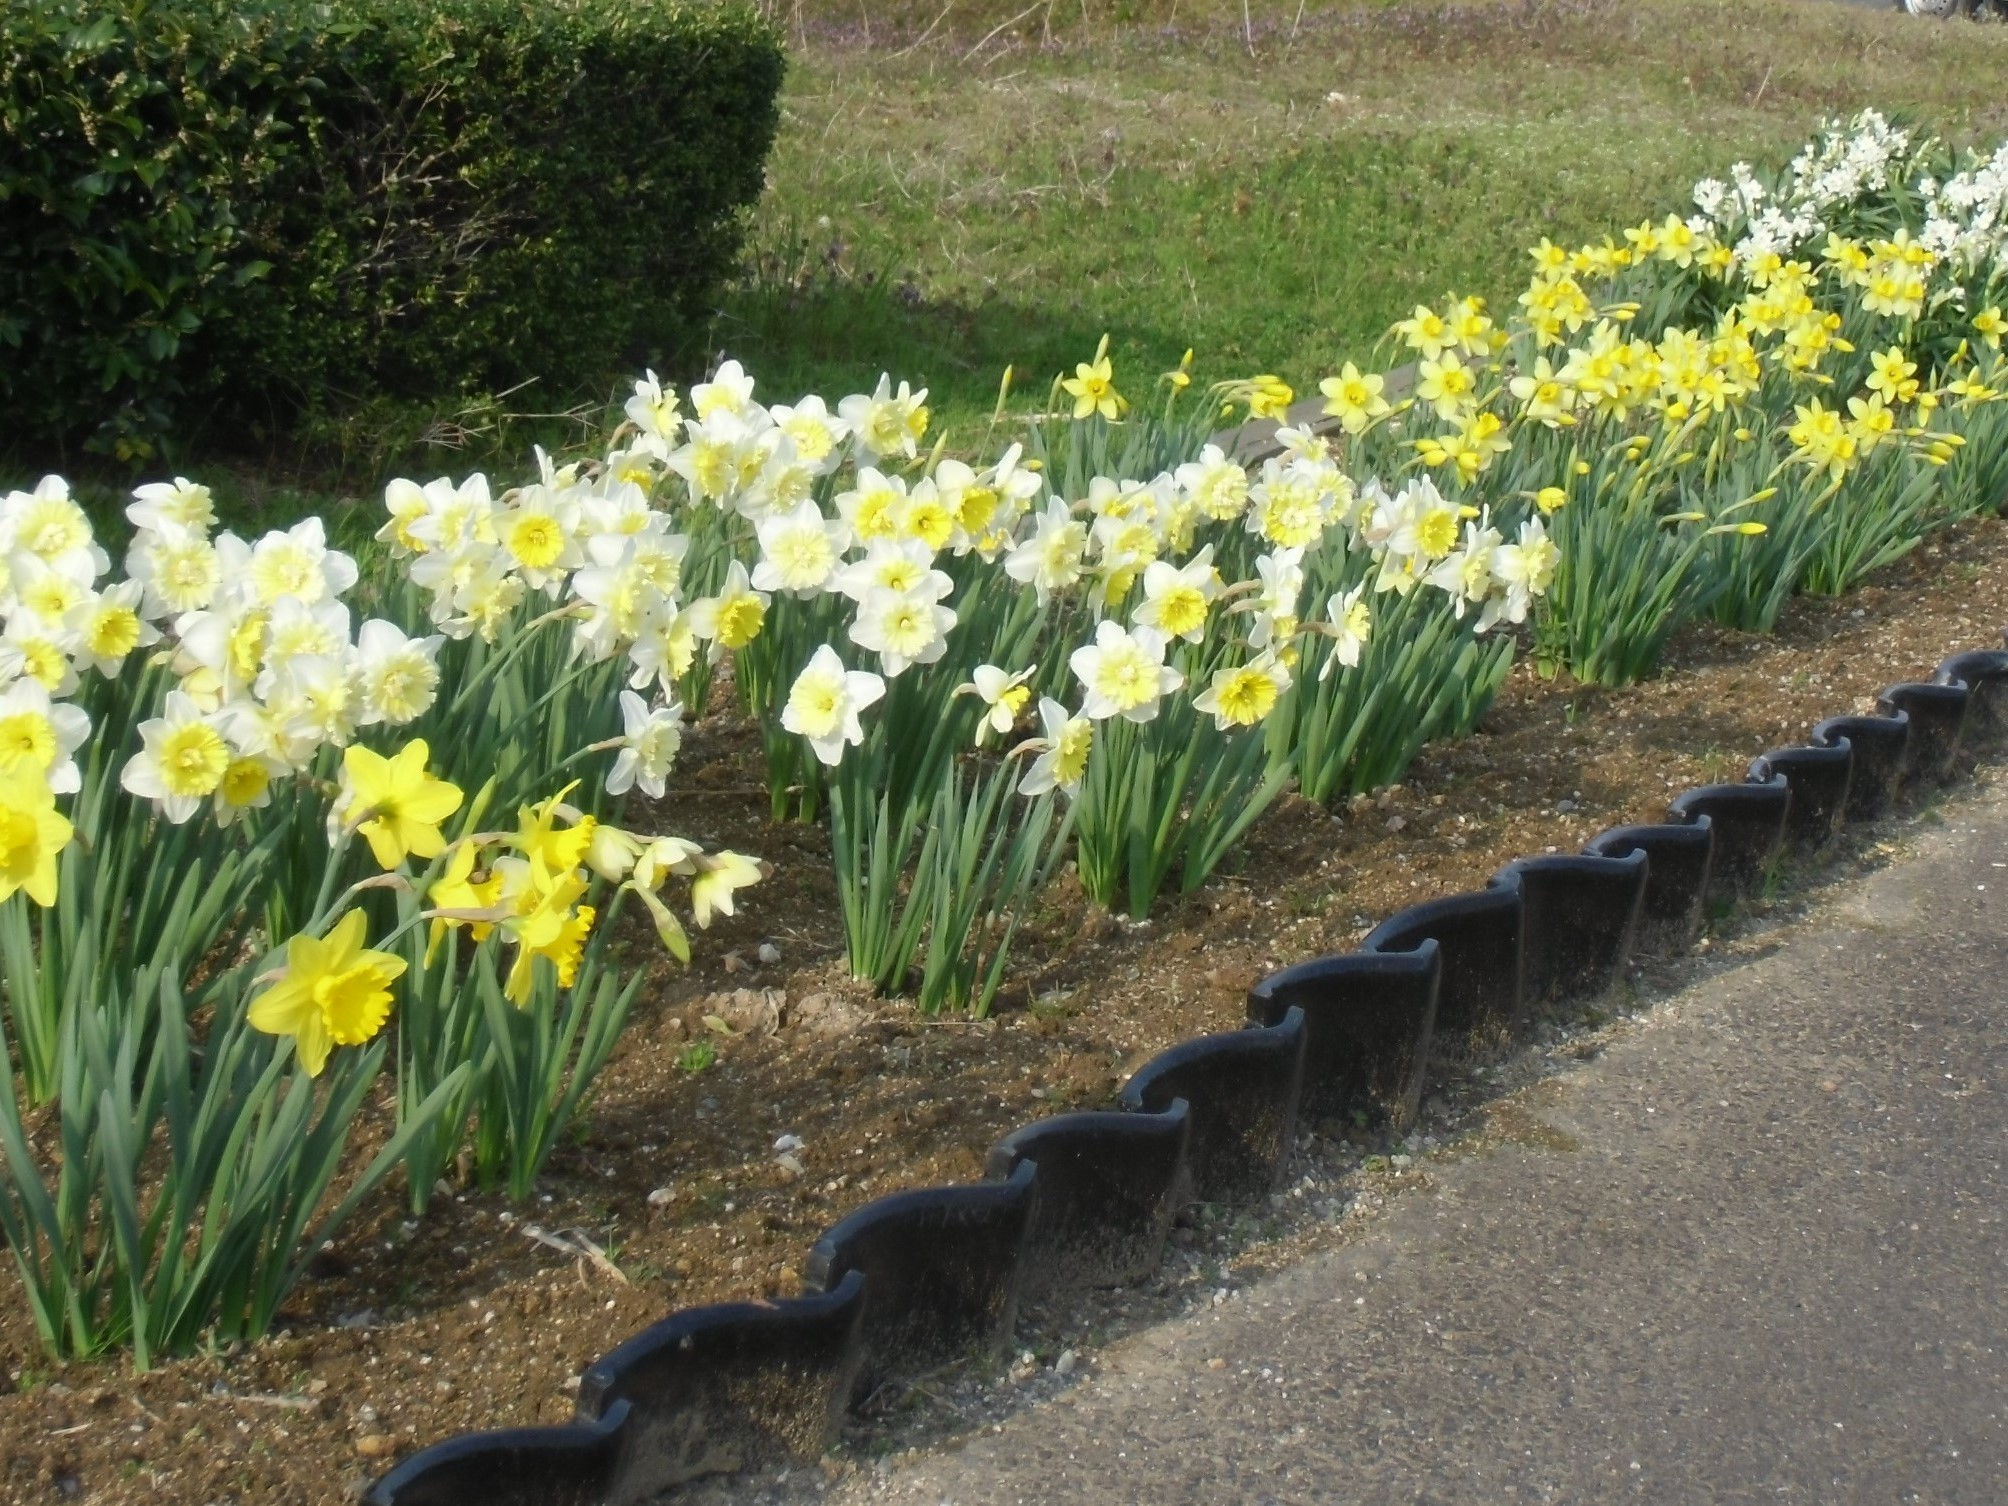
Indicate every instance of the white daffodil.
{"type": "Point", "coordinates": [664, 647]}
{"type": "Point", "coordinates": [1218, 485]}
{"type": "Point", "coordinates": [653, 412]}
{"type": "Point", "coordinates": [732, 618]}
{"type": "Point", "coordinates": [539, 531]}
{"type": "Point", "coordinates": [1003, 695]}
{"type": "Point", "coordinates": [314, 704]}
{"type": "Point", "coordinates": [49, 525]}
{"type": "Point", "coordinates": [298, 562]}
{"type": "Point", "coordinates": [902, 566]}
{"type": "Point", "coordinates": [648, 746]}
{"type": "Point", "coordinates": [1123, 673]}
{"type": "Point", "coordinates": [817, 433]}
{"type": "Point", "coordinates": [177, 573]}
{"type": "Point", "coordinates": [398, 676]}
{"type": "Point", "coordinates": [619, 593]}
{"type": "Point", "coordinates": [454, 516]}
{"type": "Point", "coordinates": [1050, 559]}
{"type": "Point", "coordinates": [43, 596]}
{"type": "Point", "coordinates": [1281, 574]}
{"type": "Point", "coordinates": [1526, 568]}
{"type": "Point", "coordinates": [181, 761]}
{"type": "Point", "coordinates": [178, 508]}
{"type": "Point", "coordinates": [824, 702]}
{"type": "Point", "coordinates": [887, 422]}
{"type": "Point", "coordinates": [1176, 598]}
{"type": "Point", "coordinates": [875, 507]}
{"type": "Point", "coordinates": [799, 551]}
{"type": "Point", "coordinates": [730, 390]}
{"type": "Point", "coordinates": [1063, 746]}
{"type": "Point", "coordinates": [39, 735]}
{"type": "Point", "coordinates": [294, 630]}
{"type": "Point", "coordinates": [1352, 623]}
{"type": "Point", "coordinates": [30, 651]}
{"type": "Point", "coordinates": [1465, 574]}
{"type": "Point", "coordinates": [108, 626]}
{"type": "Point", "coordinates": [902, 629]}
{"type": "Point", "coordinates": [1243, 696]}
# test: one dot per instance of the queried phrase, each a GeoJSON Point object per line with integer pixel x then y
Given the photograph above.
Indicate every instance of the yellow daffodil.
{"type": "Point", "coordinates": [394, 803]}
{"type": "Point", "coordinates": [553, 850]}
{"type": "Point", "coordinates": [1093, 388]}
{"type": "Point", "coordinates": [333, 992]}
{"type": "Point", "coordinates": [32, 833]}
{"type": "Point", "coordinates": [553, 930]}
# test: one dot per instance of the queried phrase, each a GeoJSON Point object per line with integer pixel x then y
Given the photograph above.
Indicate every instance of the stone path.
{"type": "Point", "coordinates": [1754, 1252]}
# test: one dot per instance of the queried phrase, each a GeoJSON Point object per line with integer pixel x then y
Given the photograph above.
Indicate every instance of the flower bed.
{"type": "Point", "coordinates": [887, 634]}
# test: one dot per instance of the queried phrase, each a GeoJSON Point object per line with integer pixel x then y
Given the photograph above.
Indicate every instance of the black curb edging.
{"type": "Point", "coordinates": [917, 1280]}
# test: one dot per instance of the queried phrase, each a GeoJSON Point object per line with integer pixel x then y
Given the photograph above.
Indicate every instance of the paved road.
{"type": "Point", "coordinates": [1755, 1254]}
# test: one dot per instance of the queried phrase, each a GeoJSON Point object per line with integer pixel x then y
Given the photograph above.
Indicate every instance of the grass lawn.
{"type": "Point", "coordinates": [944, 211]}
{"type": "Point", "coordinates": [954, 191]}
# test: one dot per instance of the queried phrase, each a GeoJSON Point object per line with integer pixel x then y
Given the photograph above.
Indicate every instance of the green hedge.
{"type": "Point", "coordinates": [215, 211]}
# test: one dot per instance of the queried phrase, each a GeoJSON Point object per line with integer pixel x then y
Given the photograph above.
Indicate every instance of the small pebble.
{"type": "Point", "coordinates": [769, 954]}
{"type": "Point", "coordinates": [374, 1445]}
{"type": "Point", "coordinates": [1064, 1365]}
{"type": "Point", "coordinates": [660, 1198]}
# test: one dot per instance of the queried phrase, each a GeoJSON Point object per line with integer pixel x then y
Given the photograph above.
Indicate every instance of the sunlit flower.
{"type": "Point", "coordinates": [394, 803]}
{"type": "Point", "coordinates": [181, 761]}
{"type": "Point", "coordinates": [1003, 695]}
{"type": "Point", "coordinates": [332, 992]}
{"type": "Point", "coordinates": [1177, 598]}
{"type": "Point", "coordinates": [1243, 696]}
{"type": "Point", "coordinates": [1354, 398]}
{"type": "Point", "coordinates": [649, 743]}
{"type": "Point", "coordinates": [1062, 748]}
{"type": "Point", "coordinates": [732, 618]}
{"type": "Point", "coordinates": [40, 736]}
{"type": "Point", "coordinates": [718, 875]}
{"type": "Point", "coordinates": [1352, 623]}
{"type": "Point", "coordinates": [1123, 672]}
{"type": "Point", "coordinates": [32, 834]}
{"type": "Point", "coordinates": [824, 703]}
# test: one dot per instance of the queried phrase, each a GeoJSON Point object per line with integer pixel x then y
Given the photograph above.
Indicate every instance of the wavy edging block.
{"type": "Point", "coordinates": [919, 1280]}
{"type": "Point", "coordinates": [571, 1465]}
{"type": "Point", "coordinates": [1881, 747]}
{"type": "Point", "coordinates": [737, 1385]}
{"type": "Point", "coordinates": [942, 1268]}
{"type": "Point", "coordinates": [1679, 861]}
{"type": "Point", "coordinates": [1819, 777]}
{"type": "Point", "coordinates": [1749, 832]}
{"type": "Point", "coordinates": [1985, 675]}
{"type": "Point", "coordinates": [1109, 1184]}
{"type": "Point", "coordinates": [1578, 917]}
{"type": "Point", "coordinates": [1368, 1020]}
{"type": "Point", "coordinates": [1478, 1003]}
{"type": "Point", "coordinates": [1242, 1087]}
{"type": "Point", "coordinates": [1937, 717]}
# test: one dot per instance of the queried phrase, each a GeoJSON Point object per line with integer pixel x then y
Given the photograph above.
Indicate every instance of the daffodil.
{"type": "Point", "coordinates": [718, 875]}
{"type": "Point", "coordinates": [553, 930]}
{"type": "Point", "coordinates": [32, 834]}
{"type": "Point", "coordinates": [1062, 751]}
{"type": "Point", "coordinates": [1003, 695]}
{"type": "Point", "coordinates": [1177, 598]}
{"type": "Point", "coordinates": [394, 803]}
{"type": "Point", "coordinates": [1124, 673]}
{"type": "Point", "coordinates": [182, 758]}
{"type": "Point", "coordinates": [648, 745]}
{"type": "Point", "coordinates": [824, 704]}
{"type": "Point", "coordinates": [1244, 695]}
{"type": "Point", "coordinates": [332, 992]}
{"type": "Point", "coordinates": [552, 851]}
{"type": "Point", "coordinates": [1354, 398]}
{"type": "Point", "coordinates": [1352, 625]}
{"type": "Point", "coordinates": [1093, 387]}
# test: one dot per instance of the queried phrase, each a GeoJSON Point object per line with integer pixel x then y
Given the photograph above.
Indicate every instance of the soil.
{"type": "Point", "coordinates": [674, 1193]}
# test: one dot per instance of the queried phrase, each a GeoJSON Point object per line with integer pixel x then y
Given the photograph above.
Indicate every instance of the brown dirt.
{"type": "Point", "coordinates": [419, 1330]}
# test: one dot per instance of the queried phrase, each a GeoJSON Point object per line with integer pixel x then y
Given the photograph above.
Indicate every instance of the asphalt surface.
{"type": "Point", "coordinates": [1753, 1252]}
